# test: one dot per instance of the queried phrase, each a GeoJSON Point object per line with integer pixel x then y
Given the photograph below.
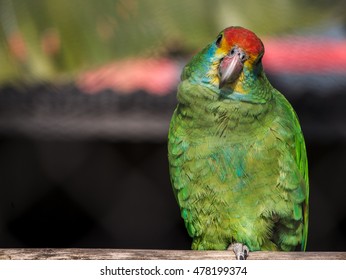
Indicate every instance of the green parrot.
{"type": "Point", "coordinates": [237, 156]}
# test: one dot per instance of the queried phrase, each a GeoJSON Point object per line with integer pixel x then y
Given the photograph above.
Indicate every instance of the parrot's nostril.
{"type": "Point", "coordinates": [242, 57]}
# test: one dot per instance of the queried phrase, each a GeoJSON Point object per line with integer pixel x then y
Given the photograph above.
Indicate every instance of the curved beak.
{"type": "Point", "coordinates": [231, 66]}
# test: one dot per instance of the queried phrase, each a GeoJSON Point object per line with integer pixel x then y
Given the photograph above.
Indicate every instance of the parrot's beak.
{"type": "Point", "coordinates": [231, 66]}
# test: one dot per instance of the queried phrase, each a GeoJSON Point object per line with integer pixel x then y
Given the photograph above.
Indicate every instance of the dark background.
{"type": "Point", "coordinates": [65, 189]}
{"type": "Point", "coordinates": [91, 170]}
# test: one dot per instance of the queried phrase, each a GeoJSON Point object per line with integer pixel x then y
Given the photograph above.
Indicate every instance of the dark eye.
{"type": "Point", "coordinates": [218, 40]}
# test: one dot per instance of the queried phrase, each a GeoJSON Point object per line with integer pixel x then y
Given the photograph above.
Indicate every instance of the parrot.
{"type": "Point", "coordinates": [237, 156]}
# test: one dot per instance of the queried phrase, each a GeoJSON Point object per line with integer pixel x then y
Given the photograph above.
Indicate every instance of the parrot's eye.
{"type": "Point", "coordinates": [218, 41]}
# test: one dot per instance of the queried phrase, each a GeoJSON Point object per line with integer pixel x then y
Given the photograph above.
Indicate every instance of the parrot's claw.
{"type": "Point", "coordinates": [241, 251]}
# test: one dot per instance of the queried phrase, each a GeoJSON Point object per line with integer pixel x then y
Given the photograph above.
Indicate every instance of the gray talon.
{"type": "Point", "coordinates": [241, 251]}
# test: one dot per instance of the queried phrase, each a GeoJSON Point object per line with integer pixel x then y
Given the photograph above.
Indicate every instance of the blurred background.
{"type": "Point", "coordinates": [87, 89]}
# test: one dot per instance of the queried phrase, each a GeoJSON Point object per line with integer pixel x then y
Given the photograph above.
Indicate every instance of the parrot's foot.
{"type": "Point", "coordinates": [241, 251]}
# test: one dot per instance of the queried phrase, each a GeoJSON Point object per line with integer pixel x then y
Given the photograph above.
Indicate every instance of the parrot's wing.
{"type": "Point", "coordinates": [302, 163]}
{"type": "Point", "coordinates": [291, 229]}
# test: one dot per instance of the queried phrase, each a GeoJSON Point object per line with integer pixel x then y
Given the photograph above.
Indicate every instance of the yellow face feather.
{"type": "Point", "coordinates": [237, 86]}
{"type": "Point", "coordinates": [220, 52]}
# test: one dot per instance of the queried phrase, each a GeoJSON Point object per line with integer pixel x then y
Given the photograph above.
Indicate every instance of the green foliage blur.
{"type": "Point", "coordinates": [54, 40]}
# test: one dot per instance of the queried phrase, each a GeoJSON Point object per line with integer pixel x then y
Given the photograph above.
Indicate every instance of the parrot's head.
{"type": "Point", "coordinates": [229, 62]}
{"type": "Point", "coordinates": [237, 49]}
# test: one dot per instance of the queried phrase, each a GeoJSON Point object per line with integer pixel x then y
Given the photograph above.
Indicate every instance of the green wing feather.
{"type": "Point", "coordinates": [302, 164]}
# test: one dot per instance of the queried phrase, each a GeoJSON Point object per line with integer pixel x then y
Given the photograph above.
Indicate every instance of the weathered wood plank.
{"type": "Point", "coordinates": [124, 254]}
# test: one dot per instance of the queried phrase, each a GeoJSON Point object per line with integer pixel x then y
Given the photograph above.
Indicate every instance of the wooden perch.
{"type": "Point", "coordinates": [124, 254]}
